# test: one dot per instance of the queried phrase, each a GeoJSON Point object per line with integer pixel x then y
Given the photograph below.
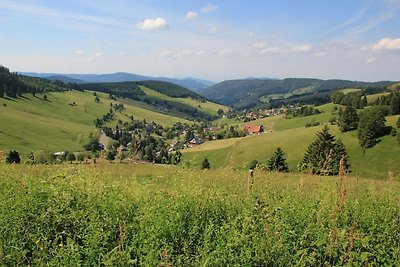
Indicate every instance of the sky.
{"type": "Point", "coordinates": [213, 40]}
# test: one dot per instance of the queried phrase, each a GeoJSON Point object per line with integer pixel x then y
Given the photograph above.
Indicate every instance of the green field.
{"type": "Point", "coordinates": [294, 138]}
{"type": "Point", "coordinates": [150, 215]}
{"type": "Point", "coordinates": [33, 124]}
{"type": "Point", "coordinates": [207, 107]}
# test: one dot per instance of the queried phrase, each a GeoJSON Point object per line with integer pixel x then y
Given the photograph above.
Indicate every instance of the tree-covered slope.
{"type": "Point", "coordinates": [245, 93]}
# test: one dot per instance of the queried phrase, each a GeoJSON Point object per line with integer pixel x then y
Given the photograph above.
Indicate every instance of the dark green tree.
{"type": "Point", "coordinates": [205, 164]}
{"type": "Point", "coordinates": [394, 107]}
{"type": "Point", "coordinates": [2, 89]}
{"type": "Point", "coordinates": [278, 161]}
{"type": "Point", "coordinates": [398, 123]}
{"type": "Point", "coordinates": [93, 145]}
{"type": "Point", "coordinates": [13, 157]}
{"type": "Point", "coordinates": [364, 102]}
{"type": "Point", "coordinates": [253, 164]}
{"type": "Point", "coordinates": [70, 157]}
{"type": "Point", "coordinates": [110, 155]}
{"type": "Point", "coordinates": [45, 97]}
{"type": "Point", "coordinates": [348, 119]}
{"type": "Point", "coordinates": [323, 156]}
{"type": "Point", "coordinates": [371, 126]}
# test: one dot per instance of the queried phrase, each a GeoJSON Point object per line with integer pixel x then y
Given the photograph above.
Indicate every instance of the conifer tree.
{"type": "Point", "coordinates": [398, 123]}
{"type": "Point", "coordinates": [278, 161]}
{"type": "Point", "coordinates": [348, 119]}
{"type": "Point", "coordinates": [205, 164]}
{"type": "Point", "coordinates": [394, 107]}
{"type": "Point", "coordinates": [324, 154]}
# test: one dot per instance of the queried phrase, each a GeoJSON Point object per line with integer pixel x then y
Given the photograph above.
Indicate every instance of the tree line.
{"type": "Point", "coordinates": [14, 85]}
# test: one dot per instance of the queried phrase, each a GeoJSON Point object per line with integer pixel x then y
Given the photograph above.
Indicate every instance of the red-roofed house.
{"type": "Point", "coordinates": [254, 129]}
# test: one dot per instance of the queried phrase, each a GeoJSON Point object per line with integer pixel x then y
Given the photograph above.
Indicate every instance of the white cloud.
{"type": "Point", "coordinates": [386, 44]}
{"type": "Point", "coordinates": [95, 56]}
{"type": "Point", "coordinates": [225, 52]}
{"type": "Point", "coordinates": [250, 34]}
{"type": "Point", "coordinates": [370, 60]}
{"type": "Point", "coordinates": [264, 49]}
{"type": "Point", "coordinates": [209, 8]}
{"type": "Point", "coordinates": [153, 24]}
{"type": "Point", "coordinates": [301, 49]}
{"type": "Point", "coordinates": [273, 50]}
{"type": "Point", "coordinates": [78, 52]}
{"type": "Point", "coordinates": [180, 54]}
{"type": "Point", "coordinates": [122, 53]}
{"type": "Point", "coordinates": [320, 54]}
{"type": "Point", "coordinates": [259, 45]}
{"type": "Point", "coordinates": [191, 15]}
{"type": "Point", "coordinates": [214, 29]}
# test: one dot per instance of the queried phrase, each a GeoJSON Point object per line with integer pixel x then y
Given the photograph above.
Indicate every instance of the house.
{"type": "Point", "coordinates": [196, 141]}
{"type": "Point", "coordinates": [59, 154]}
{"type": "Point", "coordinates": [253, 129]}
{"type": "Point", "coordinates": [210, 129]}
{"type": "Point", "coordinates": [174, 145]}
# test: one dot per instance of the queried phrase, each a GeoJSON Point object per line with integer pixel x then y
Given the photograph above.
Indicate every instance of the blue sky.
{"type": "Point", "coordinates": [215, 40]}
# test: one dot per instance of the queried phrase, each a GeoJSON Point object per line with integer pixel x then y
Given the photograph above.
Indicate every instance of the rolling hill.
{"type": "Point", "coordinates": [64, 121]}
{"type": "Point", "coordinates": [293, 138]}
{"type": "Point", "coordinates": [190, 83]}
{"type": "Point", "coordinates": [247, 92]}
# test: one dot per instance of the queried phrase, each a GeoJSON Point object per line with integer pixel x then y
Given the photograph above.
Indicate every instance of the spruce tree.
{"type": "Point", "coordinates": [278, 161]}
{"type": "Point", "coordinates": [394, 107]}
{"type": "Point", "coordinates": [348, 119]}
{"type": "Point", "coordinates": [398, 123]}
{"type": "Point", "coordinates": [205, 164]}
{"type": "Point", "coordinates": [324, 154]}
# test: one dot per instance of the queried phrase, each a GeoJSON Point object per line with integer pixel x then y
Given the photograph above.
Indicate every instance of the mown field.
{"type": "Point", "coordinates": [149, 215]}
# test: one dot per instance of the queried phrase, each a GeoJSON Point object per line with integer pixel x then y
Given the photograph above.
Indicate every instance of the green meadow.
{"type": "Point", "coordinates": [207, 106]}
{"type": "Point", "coordinates": [294, 138]}
{"type": "Point", "coordinates": [64, 122]}
{"type": "Point", "coordinates": [151, 215]}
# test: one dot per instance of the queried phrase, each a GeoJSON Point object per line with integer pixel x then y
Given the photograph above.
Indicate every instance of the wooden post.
{"type": "Point", "coordinates": [250, 181]}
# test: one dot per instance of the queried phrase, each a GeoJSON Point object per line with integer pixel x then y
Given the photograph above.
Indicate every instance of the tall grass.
{"type": "Point", "coordinates": [130, 215]}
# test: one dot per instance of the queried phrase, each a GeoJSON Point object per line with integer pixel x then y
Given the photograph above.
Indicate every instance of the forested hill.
{"type": "Point", "coordinates": [132, 89]}
{"type": "Point", "coordinates": [247, 92]}
{"type": "Point", "coordinates": [14, 85]}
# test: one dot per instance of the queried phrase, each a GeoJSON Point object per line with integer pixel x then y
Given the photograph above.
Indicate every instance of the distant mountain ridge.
{"type": "Point", "coordinates": [247, 92]}
{"type": "Point", "coordinates": [189, 83]}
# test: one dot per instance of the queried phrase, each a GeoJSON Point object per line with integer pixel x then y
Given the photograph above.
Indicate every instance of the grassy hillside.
{"type": "Point", "coordinates": [31, 123]}
{"type": "Point", "coordinates": [134, 215]}
{"type": "Point", "coordinates": [161, 97]}
{"type": "Point", "coordinates": [202, 105]}
{"type": "Point", "coordinates": [294, 138]}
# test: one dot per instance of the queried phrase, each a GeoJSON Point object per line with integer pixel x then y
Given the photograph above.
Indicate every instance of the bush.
{"type": "Point", "coordinates": [13, 157]}
{"type": "Point", "coordinates": [252, 165]}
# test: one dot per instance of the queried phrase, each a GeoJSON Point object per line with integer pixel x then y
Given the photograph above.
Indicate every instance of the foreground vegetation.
{"type": "Point", "coordinates": [119, 214]}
